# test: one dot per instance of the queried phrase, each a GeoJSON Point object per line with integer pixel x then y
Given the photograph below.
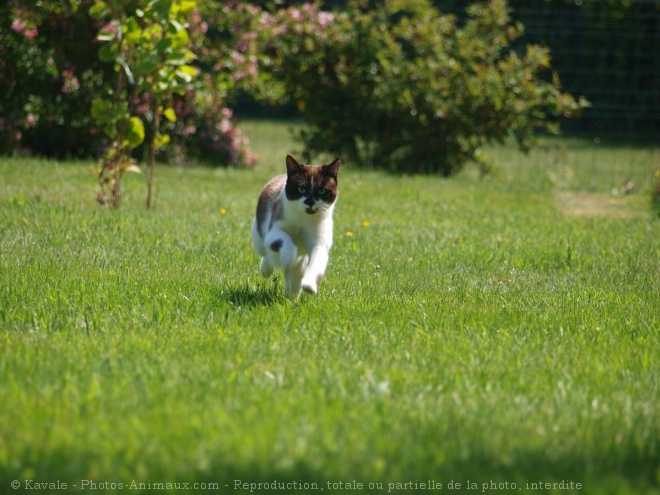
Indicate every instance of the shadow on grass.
{"type": "Point", "coordinates": [533, 473]}
{"type": "Point", "coordinates": [537, 473]}
{"type": "Point", "coordinates": [249, 296]}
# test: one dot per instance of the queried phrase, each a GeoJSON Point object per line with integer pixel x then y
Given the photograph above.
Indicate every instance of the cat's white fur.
{"type": "Point", "coordinates": [305, 239]}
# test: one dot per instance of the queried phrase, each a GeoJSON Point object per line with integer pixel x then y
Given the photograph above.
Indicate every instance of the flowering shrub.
{"type": "Point", "coordinates": [404, 88]}
{"type": "Point", "coordinates": [205, 130]}
{"type": "Point", "coordinates": [296, 44]}
{"type": "Point", "coordinates": [224, 40]}
{"type": "Point", "coordinates": [16, 37]}
{"type": "Point", "coordinates": [51, 75]}
{"type": "Point", "coordinates": [396, 86]}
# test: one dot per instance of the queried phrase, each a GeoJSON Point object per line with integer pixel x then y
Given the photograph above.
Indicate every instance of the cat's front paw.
{"type": "Point", "coordinates": [265, 268]}
{"type": "Point", "coordinates": [311, 284]}
{"type": "Point", "coordinates": [311, 288]}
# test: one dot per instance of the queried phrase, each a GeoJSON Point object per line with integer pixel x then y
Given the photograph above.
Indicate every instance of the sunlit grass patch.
{"type": "Point", "coordinates": [466, 329]}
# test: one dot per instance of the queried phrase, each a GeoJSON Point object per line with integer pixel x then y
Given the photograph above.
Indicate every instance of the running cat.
{"type": "Point", "coordinates": [293, 225]}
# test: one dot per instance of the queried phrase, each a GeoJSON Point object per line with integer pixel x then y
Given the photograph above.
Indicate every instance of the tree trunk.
{"type": "Point", "coordinates": [116, 194]}
{"type": "Point", "coordinates": [151, 151]}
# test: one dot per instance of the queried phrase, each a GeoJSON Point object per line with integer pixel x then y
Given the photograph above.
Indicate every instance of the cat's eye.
{"type": "Point", "coordinates": [321, 190]}
{"type": "Point", "coordinates": [302, 189]}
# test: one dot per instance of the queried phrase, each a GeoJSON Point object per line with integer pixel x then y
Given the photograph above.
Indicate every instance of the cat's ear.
{"type": "Point", "coordinates": [292, 166]}
{"type": "Point", "coordinates": [333, 168]}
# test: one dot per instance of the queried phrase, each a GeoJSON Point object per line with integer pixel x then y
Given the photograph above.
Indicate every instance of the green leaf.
{"type": "Point", "coordinates": [175, 26]}
{"type": "Point", "coordinates": [161, 140]}
{"type": "Point", "coordinates": [51, 68]}
{"type": "Point", "coordinates": [164, 45]}
{"type": "Point", "coordinates": [178, 35]}
{"type": "Point", "coordinates": [187, 73]}
{"type": "Point", "coordinates": [177, 57]}
{"type": "Point", "coordinates": [101, 110]}
{"type": "Point", "coordinates": [147, 65]}
{"type": "Point", "coordinates": [184, 76]}
{"type": "Point", "coordinates": [135, 135]}
{"type": "Point", "coordinates": [106, 36]}
{"type": "Point", "coordinates": [170, 114]}
{"type": "Point", "coordinates": [186, 6]}
{"type": "Point", "coordinates": [132, 31]}
{"type": "Point", "coordinates": [99, 10]}
{"type": "Point", "coordinates": [108, 52]}
{"type": "Point", "coordinates": [162, 8]}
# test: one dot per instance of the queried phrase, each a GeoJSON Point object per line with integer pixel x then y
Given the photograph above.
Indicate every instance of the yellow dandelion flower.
{"type": "Point", "coordinates": [350, 234]}
{"type": "Point", "coordinates": [223, 211]}
{"type": "Point", "coordinates": [365, 223]}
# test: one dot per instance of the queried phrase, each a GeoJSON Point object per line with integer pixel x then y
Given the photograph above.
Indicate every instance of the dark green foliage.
{"type": "Point", "coordinates": [602, 50]}
{"type": "Point", "coordinates": [606, 50]}
{"type": "Point", "coordinates": [50, 73]}
{"type": "Point", "coordinates": [655, 194]}
{"type": "Point", "coordinates": [53, 67]}
{"type": "Point", "coordinates": [404, 88]}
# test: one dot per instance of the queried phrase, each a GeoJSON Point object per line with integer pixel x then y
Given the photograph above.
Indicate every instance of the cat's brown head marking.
{"type": "Point", "coordinates": [312, 184]}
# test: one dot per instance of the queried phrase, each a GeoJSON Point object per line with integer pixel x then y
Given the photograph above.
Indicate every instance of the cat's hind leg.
{"type": "Point", "coordinates": [257, 241]}
{"type": "Point", "coordinates": [266, 268]}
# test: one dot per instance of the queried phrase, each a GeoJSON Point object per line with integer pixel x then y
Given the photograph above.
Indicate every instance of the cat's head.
{"type": "Point", "coordinates": [313, 188]}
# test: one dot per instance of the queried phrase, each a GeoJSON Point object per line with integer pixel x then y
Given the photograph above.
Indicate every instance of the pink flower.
{"type": "Point", "coordinates": [243, 45]}
{"type": "Point", "coordinates": [238, 58]}
{"type": "Point", "coordinates": [31, 33]}
{"type": "Point", "coordinates": [325, 19]}
{"type": "Point", "coordinates": [225, 126]}
{"type": "Point", "coordinates": [30, 120]}
{"type": "Point", "coordinates": [238, 75]}
{"type": "Point", "coordinates": [18, 25]}
{"type": "Point", "coordinates": [71, 82]}
{"type": "Point", "coordinates": [110, 27]}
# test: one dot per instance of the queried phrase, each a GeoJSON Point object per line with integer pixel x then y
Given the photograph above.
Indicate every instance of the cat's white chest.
{"type": "Point", "coordinates": [306, 234]}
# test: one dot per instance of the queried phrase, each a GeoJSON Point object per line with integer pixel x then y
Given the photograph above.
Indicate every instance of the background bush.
{"type": "Point", "coordinates": [405, 88]}
{"type": "Point", "coordinates": [396, 85]}
{"type": "Point", "coordinates": [51, 74]}
{"type": "Point", "coordinates": [604, 50]}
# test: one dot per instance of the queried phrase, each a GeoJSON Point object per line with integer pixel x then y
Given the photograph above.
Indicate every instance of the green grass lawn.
{"type": "Point", "coordinates": [476, 331]}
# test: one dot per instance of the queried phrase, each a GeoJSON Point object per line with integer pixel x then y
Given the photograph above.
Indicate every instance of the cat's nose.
{"type": "Point", "coordinates": [309, 201]}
